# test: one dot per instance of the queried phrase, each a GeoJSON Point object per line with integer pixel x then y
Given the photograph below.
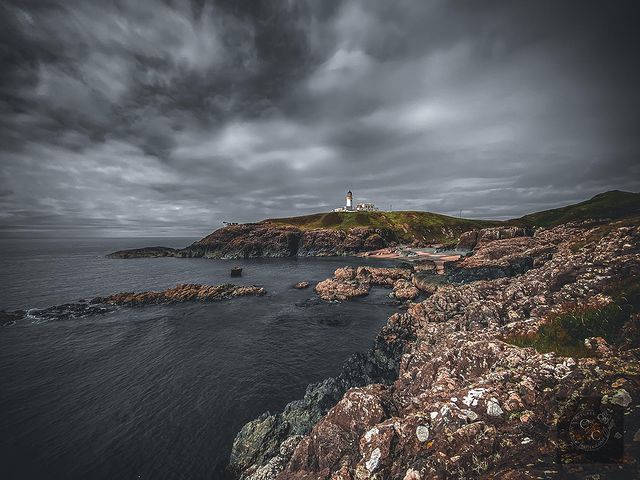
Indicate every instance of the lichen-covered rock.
{"type": "Point", "coordinates": [183, 293]}
{"type": "Point", "coordinates": [465, 404]}
{"type": "Point", "coordinates": [474, 238]}
{"type": "Point", "coordinates": [102, 305]}
{"type": "Point", "coordinates": [426, 283]}
{"type": "Point", "coordinates": [349, 282]}
{"type": "Point", "coordinates": [501, 258]}
{"type": "Point", "coordinates": [404, 290]}
{"type": "Point", "coordinates": [259, 441]}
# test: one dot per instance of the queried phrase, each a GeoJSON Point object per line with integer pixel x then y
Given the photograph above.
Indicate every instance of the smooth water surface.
{"type": "Point", "coordinates": [160, 391]}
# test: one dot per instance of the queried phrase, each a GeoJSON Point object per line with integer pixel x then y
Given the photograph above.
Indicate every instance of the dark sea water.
{"type": "Point", "coordinates": [159, 391]}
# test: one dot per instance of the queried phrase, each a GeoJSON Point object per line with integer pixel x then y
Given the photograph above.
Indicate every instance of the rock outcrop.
{"type": "Point", "coordinates": [349, 282]}
{"type": "Point", "coordinates": [442, 395]}
{"type": "Point", "coordinates": [101, 305]}
{"type": "Point", "coordinates": [500, 258]}
{"type": "Point", "coordinates": [252, 240]}
{"type": "Point", "coordinates": [183, 293]}
{"type": "Point", "coordinates": [474, 238]}
{"type": "Point", "coordinates": [258, 450]}
{"type": "Point", "coordinates": [145, 252]}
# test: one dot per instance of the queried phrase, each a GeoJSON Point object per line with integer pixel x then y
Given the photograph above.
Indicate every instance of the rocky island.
{"type": "Point", "coordinates": [100, 305]}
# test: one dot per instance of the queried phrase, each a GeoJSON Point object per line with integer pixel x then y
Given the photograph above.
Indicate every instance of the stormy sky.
{"type": "Point", "coordinates": [154, 117]}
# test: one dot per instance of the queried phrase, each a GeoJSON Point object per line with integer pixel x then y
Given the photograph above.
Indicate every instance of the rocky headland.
{"type": "Point", "coordinates": [101, 305]}
{"type": "Point", "coordinates": [476, 379]}
{"type": "Point", "coordinates": [350, 233]}
{"type": "Point", "coordinates": [253, 240]}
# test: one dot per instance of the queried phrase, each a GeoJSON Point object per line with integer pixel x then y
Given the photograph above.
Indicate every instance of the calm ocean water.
{"type": "Point", "coordinates": [157, 392]}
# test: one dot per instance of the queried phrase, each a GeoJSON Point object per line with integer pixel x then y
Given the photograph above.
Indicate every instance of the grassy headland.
{"type": "Point", "coordinates": [611, 205]}
{"type": "Point", "coordinates": [433, 227]}
{"type": "Point", "coordinates": [408, 225]}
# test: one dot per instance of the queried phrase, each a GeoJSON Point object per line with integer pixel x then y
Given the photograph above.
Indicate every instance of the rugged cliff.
{"type": "Point", "coordinates": [270, 240]}
{"type": "Point", "coordinates": [347, 233]}
{"type": "Point", "coordinates": [484, 378]}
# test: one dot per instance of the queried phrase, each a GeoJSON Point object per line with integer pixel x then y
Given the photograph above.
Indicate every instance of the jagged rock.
{"type": "Point", "coordinates": [424, 282]}
{"type": "Point", "coordinates": [500, 258]}
{"type": "Point", "coordinates": [349, 282]}
{"type": "Point", "coordinates": [598, 346]}
{"type": "Point", "coordinates": [183, 293]}
{"type": "Point", "coordinates": [404, 290]}
{"type": "Point", "coordinates": [457, 401]}
{"type": "Point", "coordinates": [267, 239]}
{"type": "Point", "coordinates": [259, 440]}
{"type": "Point", "coordinates": [475, 238]}
{"type": "Point", "coordinates": [301, 285]}
{"type": "Point", "coordinates": [102, 305]}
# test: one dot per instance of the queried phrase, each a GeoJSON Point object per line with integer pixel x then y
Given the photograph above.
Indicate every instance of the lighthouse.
{"type": "Point", "coordinates": [349, 200]}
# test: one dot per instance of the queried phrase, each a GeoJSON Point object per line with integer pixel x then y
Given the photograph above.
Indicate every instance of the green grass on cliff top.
{"type": "Point", "coordinates": [408, 224]}
{"type": "Point", "coordinates": [609, 205]}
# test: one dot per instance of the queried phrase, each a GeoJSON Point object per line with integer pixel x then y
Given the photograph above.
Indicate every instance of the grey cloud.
{"type": "Point", "coordinates": [171, 116]}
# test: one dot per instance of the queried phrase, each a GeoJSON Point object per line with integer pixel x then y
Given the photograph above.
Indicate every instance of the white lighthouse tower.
{"type": "Point", "coordinates": [349, 200]}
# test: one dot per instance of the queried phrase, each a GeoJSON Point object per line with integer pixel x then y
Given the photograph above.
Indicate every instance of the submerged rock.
{"type": "Point", "coordinates": [146, 252]}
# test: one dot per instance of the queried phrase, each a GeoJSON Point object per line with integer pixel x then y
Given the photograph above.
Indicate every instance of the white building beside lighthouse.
{"type": "Point", "coordinates": [360, 207]}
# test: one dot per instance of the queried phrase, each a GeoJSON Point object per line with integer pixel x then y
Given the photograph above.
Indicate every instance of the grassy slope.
{"type": "Point", "coordinates": [614, 205]}
{"type": "Point", "coordinates": [433, 227]}
{"type": "Point", "coordinates": [407, 225]}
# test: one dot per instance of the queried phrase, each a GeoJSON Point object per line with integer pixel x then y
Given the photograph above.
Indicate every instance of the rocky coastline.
{"type": "Point", "coordinates": [254, 240]}
{"type": "Point", "coordinates": [101, 305]}
{"type": "Point", "coordinates": [452, 389]}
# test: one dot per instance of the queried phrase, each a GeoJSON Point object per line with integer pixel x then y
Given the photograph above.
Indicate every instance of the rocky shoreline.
{"type": "Point", "coordinates": [101, 305]}
{"type": "Point", "coordinates": [254, 240]}
{"type": "Point", "coordinates": [446, 392]}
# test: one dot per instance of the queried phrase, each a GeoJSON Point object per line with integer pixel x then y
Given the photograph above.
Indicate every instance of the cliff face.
{"type": "Point", "coordinates": [269, 240]}
{"type": "Point", "coordinates": [446, 393]}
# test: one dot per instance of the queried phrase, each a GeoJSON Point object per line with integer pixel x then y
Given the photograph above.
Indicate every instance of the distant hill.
{"type": "Point", "coordinates": [348, 233]}
{"type": "Point", "coordinates": [432, 227]}
{"type": "Point", "coordinates": [407, 225]}
{"type": "Point", "coordinates": [609, 205]}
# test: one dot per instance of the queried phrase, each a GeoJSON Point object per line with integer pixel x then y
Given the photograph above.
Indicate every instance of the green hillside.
{"type": "Point", "coordinates": [432, 227]}
{"type": "Point", "coordinates": [408, 225]}
{"type": "Point", "coordinates": [609, 205]}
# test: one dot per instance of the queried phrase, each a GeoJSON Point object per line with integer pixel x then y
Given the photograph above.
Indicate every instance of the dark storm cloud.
{"type": "Point", "coordinates": [170, 116]}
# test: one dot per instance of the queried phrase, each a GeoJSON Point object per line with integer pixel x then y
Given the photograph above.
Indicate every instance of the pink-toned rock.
{"type": "Point", "coordinates": [598, 346]}
{"type": "Point", "coordinates": [404, 290]}
{"type": "Point", "coordinates": [184, 293]}
{"type": "Point", "coordinates": [466, 404]}
{"type": "Point", "coordinates": [349, 282]}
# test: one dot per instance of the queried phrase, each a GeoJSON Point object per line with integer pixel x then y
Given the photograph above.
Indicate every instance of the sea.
{"type": "Point", "coordinates": [158, 392]}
